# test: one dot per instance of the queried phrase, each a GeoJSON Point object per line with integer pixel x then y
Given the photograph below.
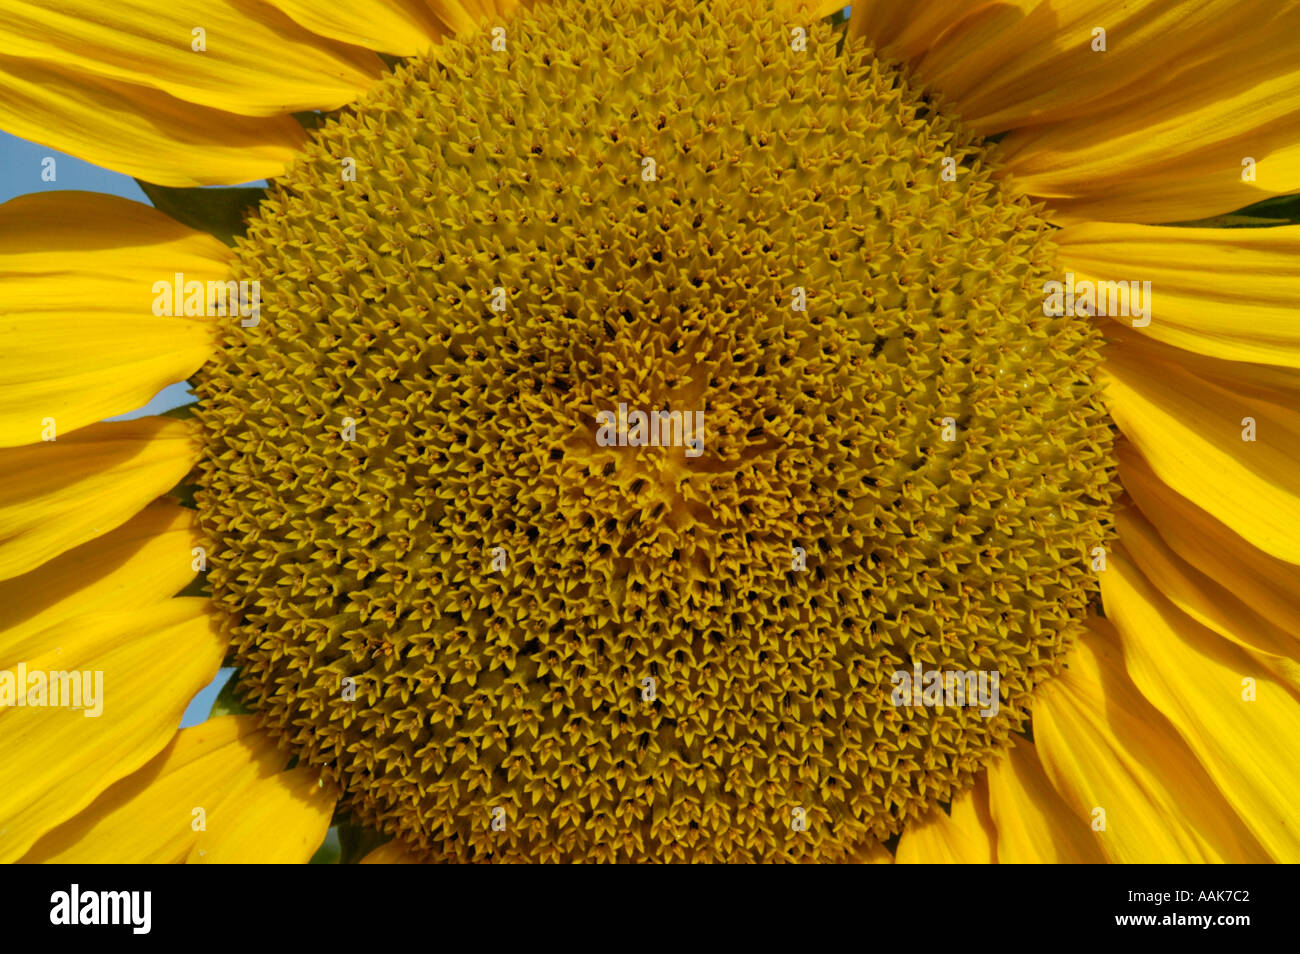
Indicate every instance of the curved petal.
{"type": "Point", "coordinates": [1240, 723]}
{"type": "Point", "coordinates": [1226, 293]}
{"type": "Point", "coordinates": [1205, 601]}
{"type": "Point", "coordinates": [57, 759]}
{"type": "Point", "coordinates": [906, 29]}
{"type": "Point", "coordinates": [1033, 825]}
{"type": "Point", "coordinates": [1192, 433]}
{"type": "Point", "coordinates": [400, 27]}
{"type": "Point", "coordinates": [1266, 584]}
{"type": "Point", "coordinates": [55, 496]}
{"type": "Point", "coordinates": [1266, 382]}
{"type": "Point", "coordinates": [285, 823]}
{"type": "Point", "coordinates": [139, 131]}
{"type": "Point", "coordinates": [1152, 129]}
{"type": "Point", "coordinates": [255, 61]}
{"type": "Point", "coordinates": [216, 793]}
{"type": "Point", "coordinates": [964, 837]}
{"type": "Point", "coordinates": [464, 16]}
{"type": "Point", "coordinates": [78, 338]}
{"type": "Point", "coordinates": [145, 561]}
{"type": "Point", "coordinates": [1118, 763]}
{"type": "Point", "coordinates": [1218, 86]}
{"type": "Point", "coordinates": [1025, 63]}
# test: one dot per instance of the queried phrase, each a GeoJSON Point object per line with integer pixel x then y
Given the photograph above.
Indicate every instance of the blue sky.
{"type": "Point", "coordinates": [20, 173]}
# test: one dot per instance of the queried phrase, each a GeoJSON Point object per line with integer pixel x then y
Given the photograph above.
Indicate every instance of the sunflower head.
{"type": "Point", "coordinates": [653, 431]}
{"type": "Point", "coordinates": [447, 592]}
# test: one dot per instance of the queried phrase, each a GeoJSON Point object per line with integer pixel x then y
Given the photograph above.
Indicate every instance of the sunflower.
{"type": "Point", "coordinates": [942, 339]}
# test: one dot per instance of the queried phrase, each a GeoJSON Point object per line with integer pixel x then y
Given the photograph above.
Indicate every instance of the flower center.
{"type": "Point", "coordinates": [639, 390]}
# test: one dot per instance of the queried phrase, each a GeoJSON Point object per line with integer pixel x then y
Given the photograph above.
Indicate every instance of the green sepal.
{"type": "Point", "coordinates": [227, 701]}
{"type": "Point", "coordinates": [313, 119]}
{"type": "Point", "coordinates": [184, 412]}
{"type": "Point", "coordinates": [1279, 210]}
{"type": "Point", "coordinates": [330, 851]}
{"type": "Point", "coordinates": [220, 212]}
{"type": "Point", "coordinates": [184, 493]}
{"type": "Point", "coordinates": [196, 587]}
{"type": "Point", "coordinates": [356, 842]}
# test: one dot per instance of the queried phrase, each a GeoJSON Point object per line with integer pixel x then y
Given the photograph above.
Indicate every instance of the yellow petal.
{"type": "Point", "coordinates": [1153, 129]}
{"type": "Point", "coordinates": [905, 29]}
{"type": "Point", "coordinates": [394, 26]}
{"type": "Point", "coordinates": [283, 819]}
{"type": "Point", "coordinates": [147, 560]}
{"type": "Point", "coordinates": [216, 792]}
{"type": "Point", "coordinates": [58, 759]}
{"type": "Point", "coordinates": [1117, 763]}
{"type": "Point", "coordinates": [1205, 86]}
{"type": "Point", "coordinates": [1190, 431]}
{"type": "Point", "coordinates": [1265, 583]}
{"type": "Point", "coordinates": [55, 496]}
{"type": "Point", "coordinates": [78, 338]}
{"type": "Point", "coordinates": [140, 131]}
{"type": "Point", "coordinates": [1268, 382]}
{"type": "Point", "coordinates": [1272, 384]}
{"type": "Point", "coordinates": [1011, 64]}
{"type": "Point", "coordinates": [255, 61]}
{"type": "Point", "coordinates": [390, 853]}
{"type": "Point", "coordinates": [1033, 825]}
{"type": "Point", "coordinates": [1198, 681]}
{"type": "Point", "coordinates": [965, 837]}
{"type": "Point", "coordinates": [1207, 602]}
{"type": "Point", "coordinates": [1228, 293]}
{"type": "Point", "coordinates": [464, 16]}
{"type": "Point", "coordinates": [40, 234]}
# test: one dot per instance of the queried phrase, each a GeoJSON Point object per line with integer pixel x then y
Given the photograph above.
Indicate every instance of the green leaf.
{"type": "Point", "coordinates": [217, 211]}
{"type": "Point", "coordinates": [227, 702]}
